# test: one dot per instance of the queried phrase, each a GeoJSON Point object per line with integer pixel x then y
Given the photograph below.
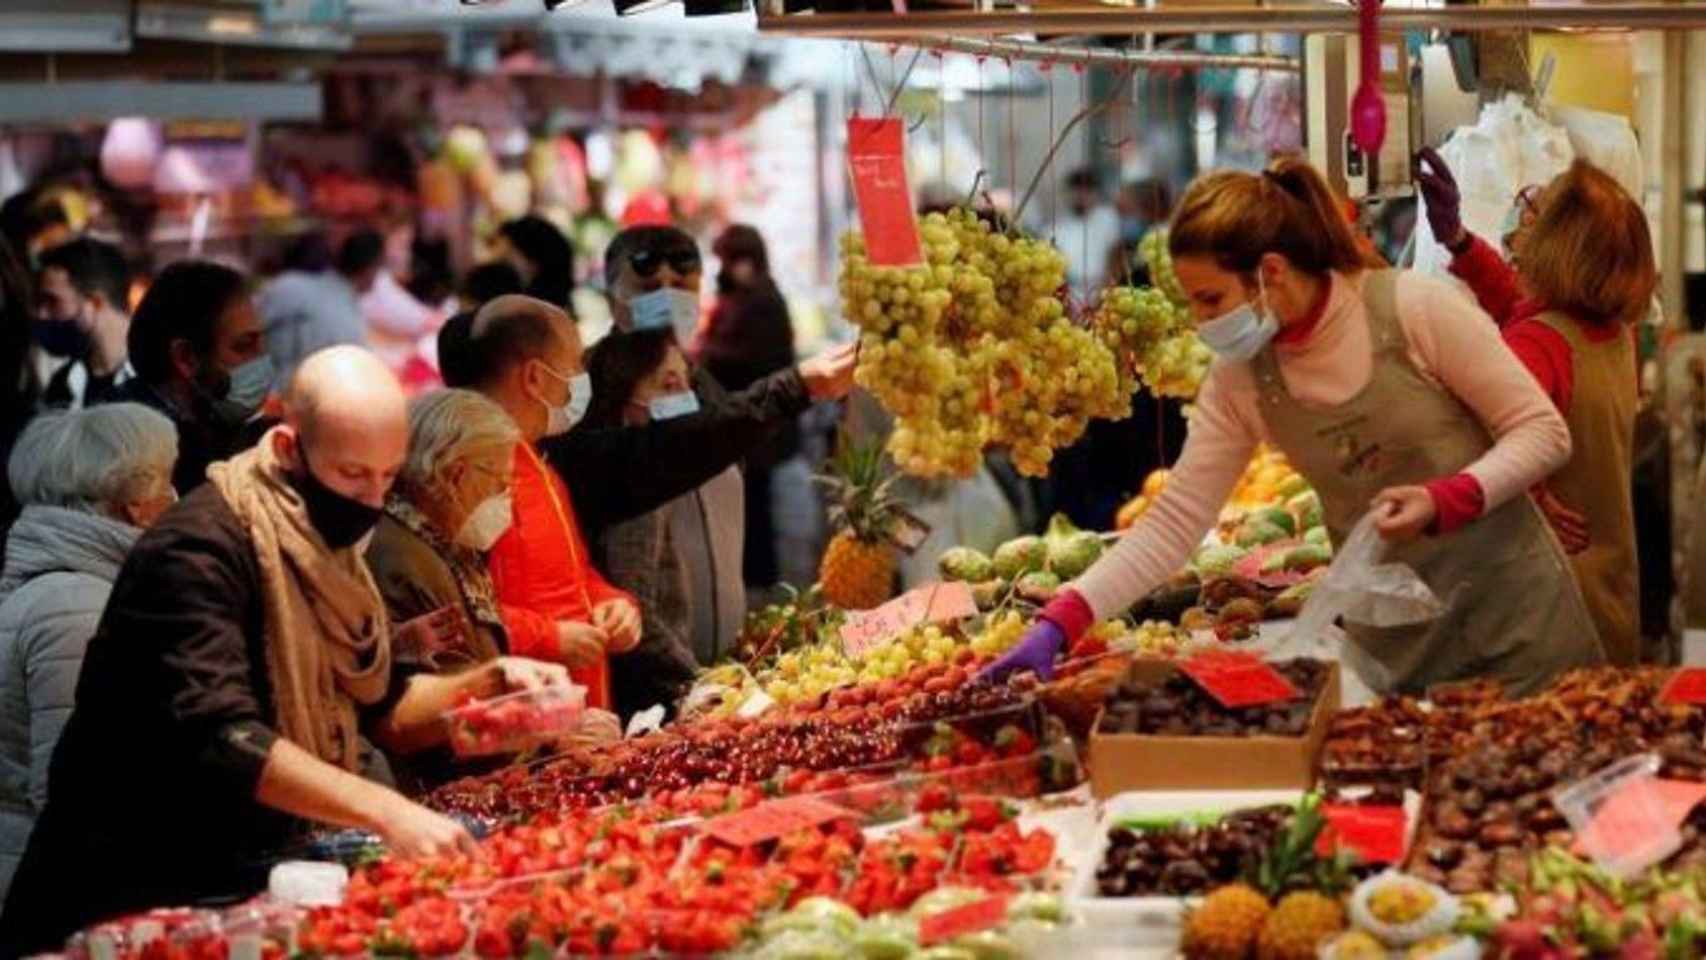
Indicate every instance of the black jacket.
{"type": "Point", "coordinates": [620, 473]}
{"type": "Point", "coordinates": [151, 793]}
{"type": "Point", "coordinates": [202, 440]}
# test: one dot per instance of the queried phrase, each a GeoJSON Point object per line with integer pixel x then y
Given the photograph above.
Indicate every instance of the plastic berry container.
{"type": "Point", "coordinates": [516, 722]}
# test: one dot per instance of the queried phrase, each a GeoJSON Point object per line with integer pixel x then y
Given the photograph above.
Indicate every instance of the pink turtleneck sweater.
{"type": "Point", "coordinates": [1450, 340]}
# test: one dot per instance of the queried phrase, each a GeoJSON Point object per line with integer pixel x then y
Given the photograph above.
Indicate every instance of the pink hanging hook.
{"type": "Point", "coordinates": [1368, 107]}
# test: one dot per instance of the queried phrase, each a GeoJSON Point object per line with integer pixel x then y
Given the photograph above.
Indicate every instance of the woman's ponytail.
{"type": "Point", "coordinates": [1288, 209]}
{"type": "Point", "coordinates": [1319, 212]}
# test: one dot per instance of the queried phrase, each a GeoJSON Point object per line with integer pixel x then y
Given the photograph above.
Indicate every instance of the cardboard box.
{"type": "Point", "coordinates": [1126, 761]}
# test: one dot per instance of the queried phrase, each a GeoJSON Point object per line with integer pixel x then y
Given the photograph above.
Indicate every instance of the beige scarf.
{"type": "Point", "coordinates": [327, 638]}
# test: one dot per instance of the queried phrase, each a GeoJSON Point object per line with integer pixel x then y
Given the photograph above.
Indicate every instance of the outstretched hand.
{"type": "Point", "coordinates": [829, 375]}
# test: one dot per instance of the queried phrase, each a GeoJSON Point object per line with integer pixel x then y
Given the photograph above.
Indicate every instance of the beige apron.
{"type": "Point", "coordinates": [1595, 483]}
{"type": "Point", "coordinates": [1513, 611]}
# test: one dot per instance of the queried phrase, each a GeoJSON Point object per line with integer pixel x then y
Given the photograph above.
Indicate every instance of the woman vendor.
{"type": "Point", "coordinates": [1582, 274]}
{"type": "Point", "coordinates": [1389, 392]}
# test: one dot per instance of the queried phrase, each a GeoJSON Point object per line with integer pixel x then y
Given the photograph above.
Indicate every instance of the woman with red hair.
{"type": "Point", "coordinates": [1582, 273]}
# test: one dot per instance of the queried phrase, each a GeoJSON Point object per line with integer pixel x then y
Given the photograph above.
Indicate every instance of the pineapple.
{"type": "Point", "coordinates": [1226, 925]}
{"type": "Point", "coordinates": [1296, 928]}
{"type": "Point", "coordinates": [858, 569]}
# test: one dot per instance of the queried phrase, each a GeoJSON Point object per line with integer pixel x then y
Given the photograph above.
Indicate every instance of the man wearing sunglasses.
{"type": "Point", "coordinates": [653, 275]}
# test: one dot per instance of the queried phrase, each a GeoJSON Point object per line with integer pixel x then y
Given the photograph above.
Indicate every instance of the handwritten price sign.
{"type": "Point", "coordinates": [777, 818]}
{"type": "Point", "coordinates": [1687, 685]}
{"type": "Point", "coordinates": [1377, 834]}
{"type": "Point", "coordinates": [1238, 679]}
{"type": "Point", "coordinates": [866, 630]}
{"type": "Point", "coordinates": [876, 158]}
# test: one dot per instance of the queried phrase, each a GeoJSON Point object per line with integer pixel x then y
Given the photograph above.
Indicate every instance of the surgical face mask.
{"type": "Point", "coordinates": [562, 419]}
{"type": "Point", "coordinates": [668, 309]}
{"type": "Point", "coordinates": [487, 523]}
{"type": "Point", "coordinates": [246, 391]}
{"type": "Point", "coordinates": [672, 405]}
{"type": "Point", "coordinates": [60, 338]}
{"type": "Point", "coordinates": [1241, 332]}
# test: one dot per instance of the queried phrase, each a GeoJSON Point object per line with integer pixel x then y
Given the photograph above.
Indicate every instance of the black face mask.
{"type": "Point", "coordinates": [340, 520]}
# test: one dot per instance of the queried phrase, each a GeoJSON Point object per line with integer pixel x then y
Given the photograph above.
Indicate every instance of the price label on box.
{"type": "Point", "coordinates": [775, 818]}
{"type": "Point", "coordinates": [1376, 834]}
{"type": "Point", "coordinates": [876, 159]}
{"type": "Point", "coordinates": [973, 917]}
{"type": "Point", "coordinates": [1238, 679]}
{"type": "Point", "coordinates": [866, 630]}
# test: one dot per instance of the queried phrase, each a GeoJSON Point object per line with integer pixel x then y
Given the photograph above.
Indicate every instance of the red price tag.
{"type": "Point", "coordinates": [971, 918]}
{"type": "Point", "coordinates": [1687, 685]}
{"type": "Point", "coordinates": [1636, 824]}
{"type": "Point", "coordinates": [776, 818]}
{"type": "Point", "coordinates": [1376, 834]}
{"type": "Point", "coordinates": [1238, 679]}
{"type": "Point", "coordinates": [866, 630]}
{"type": "Point", "coordinates": [876, 158]}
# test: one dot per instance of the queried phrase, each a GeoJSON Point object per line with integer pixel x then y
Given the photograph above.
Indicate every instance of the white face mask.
{"type": "Point", "coordinates": [560, 420]}
{"type": "Point", "coordinates": [487, 523]}
{"type": "Point", "coordinates": [672, 405]}
{"type": "Point", "coordinates": [1242, 332]}
{"type": "Point", "coordinates": [666, 308]}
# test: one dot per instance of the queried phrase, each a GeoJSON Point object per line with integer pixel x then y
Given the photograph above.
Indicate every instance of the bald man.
{"type": "Point", "coordinates": [241, 664]}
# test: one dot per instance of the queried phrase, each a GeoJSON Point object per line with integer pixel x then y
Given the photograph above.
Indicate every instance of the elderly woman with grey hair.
{"type": "Point", "coordinates": [89, 481]}
{"type": "Point", "coordinates": [450, 503]}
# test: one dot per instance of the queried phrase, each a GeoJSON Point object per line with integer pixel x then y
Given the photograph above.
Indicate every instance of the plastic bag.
{"type": "Point", "coordinates": [1360, 588]}
{"type": "Point", "coordinates": [1510, 147]}
{"type": "Point", "coordinates": [1605, 140]}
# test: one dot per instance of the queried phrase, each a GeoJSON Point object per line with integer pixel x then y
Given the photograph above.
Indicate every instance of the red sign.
{"type": "Point", "coordinates": [876, 158]}
{"type": "Point", "coordinates": [1376, 834]}
{"type": "Point", "coordinates": [866, 630]}
{"type": "Point", "coordinates": [773, 819]}
{"type": "Point", "coordinates": [1238, 679]}
{"type": "Point", "coordinates": [971, 918]}
{"type": "Point", "coordinates": [1687, 685]}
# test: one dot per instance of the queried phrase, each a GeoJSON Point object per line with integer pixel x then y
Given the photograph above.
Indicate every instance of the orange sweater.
{"type": "Point", "coordinates": [543, 574]}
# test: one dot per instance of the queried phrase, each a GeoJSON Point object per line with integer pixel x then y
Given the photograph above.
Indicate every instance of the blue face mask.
{"type": "Point", "coordinates": [1241, 332]}
{"type": "Point", "coordinates": [672, 405]}
{"type": "Point", "coordinates": [249, 386]}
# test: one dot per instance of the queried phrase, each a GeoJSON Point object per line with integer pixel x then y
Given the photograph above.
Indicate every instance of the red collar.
{"type": "Point", "coordinates": [1295, 333]}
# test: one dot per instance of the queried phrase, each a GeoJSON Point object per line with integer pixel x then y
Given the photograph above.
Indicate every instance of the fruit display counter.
{"type": "Point", "coordinates": [924, 815]}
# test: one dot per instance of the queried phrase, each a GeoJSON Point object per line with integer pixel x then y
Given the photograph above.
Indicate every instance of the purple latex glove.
{"type": "Point", "coordinates": [1035, 652]}
{"type": "Point", "coordinates": [1439, 191]}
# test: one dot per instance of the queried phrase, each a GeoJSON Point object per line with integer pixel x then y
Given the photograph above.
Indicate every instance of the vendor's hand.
{"type": "Point", "coordinates": [414, 832]}
{"type": "Point", "coordinates": [582, 645]}
{"type": "Point", "coordinates": [600, 726]}
{"type": "Point", "coordinates": [1403, 513]}
{"type": "Point", "coordinates": [620, 621]}
{"type": "Point", "coordinates": [829, 375]}
{"type": "Point", "coordinates": [520, 673]}
{"type": "Point", "coordinates": [1570, 525]}
{"type": "Point", "coordinates": [1439, 192]}
{"type": "Point", "coordinates": [1034, 652]}
{"type": "Point", "coordinates": [433, 635]}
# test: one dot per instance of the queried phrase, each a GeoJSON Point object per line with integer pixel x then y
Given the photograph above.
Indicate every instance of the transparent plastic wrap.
{"type": "Point", "coordinates": [1362, 589]}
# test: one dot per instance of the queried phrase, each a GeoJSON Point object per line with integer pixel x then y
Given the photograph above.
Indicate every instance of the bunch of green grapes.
{"type": "Point", "coordinates": [1177, 366]}
{"type": "Point", "coordinates": [974, 347]}
{"type": "Point", "coordinates": [1000, 632]}
{"type": "Point", "coordinates": [1156, 255]}
{"type": "Point", "coordinates": [1132, 322]}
